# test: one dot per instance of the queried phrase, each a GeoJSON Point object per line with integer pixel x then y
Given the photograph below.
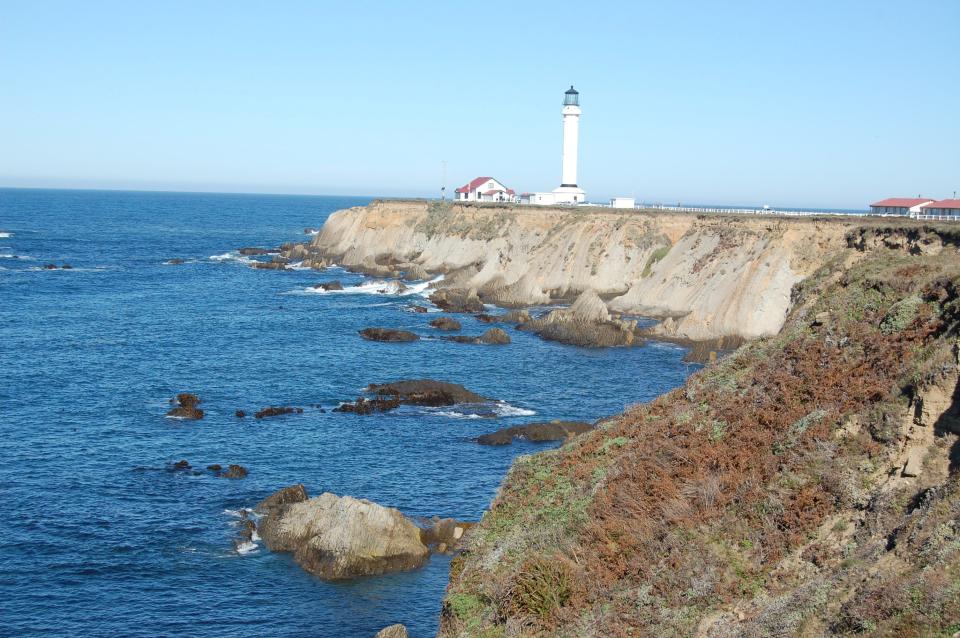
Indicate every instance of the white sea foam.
{"type": "Point", "coordinates": [255, 536]}
{"type": "Point", "coordinates": [393, 287]}
{"type": "Point", "coordinates": [502, 408]}
{"type": "Point", "coordinates": [246, 547]}
{"type": "Point", "coordinates": [21, 257]}
{"type": "Point", "coordinates": [453, 414]}
{"type": "Point", "coordinates": [5, 235]}
{"type": "Point", "coordinates": [232, 256]}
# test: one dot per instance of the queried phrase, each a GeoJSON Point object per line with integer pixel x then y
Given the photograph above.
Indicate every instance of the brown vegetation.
{"type": "Point", "coordinates": [768, 496]}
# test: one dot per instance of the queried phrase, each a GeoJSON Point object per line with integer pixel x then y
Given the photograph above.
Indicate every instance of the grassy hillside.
{"type": "Point", "coordinates": [805, 485]}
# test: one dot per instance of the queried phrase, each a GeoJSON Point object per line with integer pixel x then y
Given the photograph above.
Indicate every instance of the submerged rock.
{"type": "Point", "coordinates": [388, 334]}
{"type": "Point", "coordinates": [445, 323]}
{"type": "Point", "coordinates": [418, 309]}
{"type": "Point", "coordinates": [234, 472]}
{"type": "Point", "coordinates": [457, 300]}
{"type": "Point", "coordinates": [176, 261]}
{"type": "Point", "coordinates": [240, 414]}
{"type": "Point", "coordinates": [270, 265]}
{"type": "Point", "coordinates": [535, 432]}
{"type": "Point", "coordinates": [186, 407]}
{"type": "Point", "coordinates": [276, 411]}
{"type": "Point", "coordinates": [338, 537]}
{"type": "Point", "coordinates": [329, 285]}
{"type": "Point", "coordinates": [249, 251]}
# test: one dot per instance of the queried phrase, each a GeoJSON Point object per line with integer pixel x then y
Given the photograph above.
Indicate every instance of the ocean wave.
{"type": "Point", "coordinates": [5, 235]}
{"type": "Point", "coordinates": [246, 547]}
{"type": "Point", "coordinates": [233, 255]}
{"type": "Point", "coordinates": [21, 257]}
{"type": "Point", "coordinates": [480, 411]}
{"type": "Point", "coordinates": [453, 414]}
{"type": "Point", "coordinates": [392, 287]}
{"type": "Point", "coordinates": [502, 408]}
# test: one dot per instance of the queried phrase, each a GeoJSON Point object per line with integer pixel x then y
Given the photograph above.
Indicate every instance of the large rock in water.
{"type": "Point", "coordinates": [340, 537]}
{"type": "Point", "coordinates": [535, 432]}
{"type": "Point", "coordinates": [427, 392]}
{"type": "Point", "coordinates": [388, 334]}
{"type": "Point", "coordinates": [393, 631]}
{"type": "Point", "coordinates": [186, 407]}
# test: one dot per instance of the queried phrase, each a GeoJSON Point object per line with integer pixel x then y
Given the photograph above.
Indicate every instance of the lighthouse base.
{"type": "Point", "coordinates": [569, 195]}
{"type": "Point", "coordinates": [564, 196]}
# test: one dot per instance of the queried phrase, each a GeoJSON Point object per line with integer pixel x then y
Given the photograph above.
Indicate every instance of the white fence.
{"type": "Point", "coordinates": [742, 211]}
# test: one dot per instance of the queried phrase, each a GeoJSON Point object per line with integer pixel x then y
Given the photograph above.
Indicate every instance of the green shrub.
{"type": "Point", "coordinates": [656, 256]}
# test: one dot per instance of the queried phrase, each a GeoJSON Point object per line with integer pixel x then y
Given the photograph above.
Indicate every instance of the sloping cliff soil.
{"type": "Point", "coordinates": [805, 485]}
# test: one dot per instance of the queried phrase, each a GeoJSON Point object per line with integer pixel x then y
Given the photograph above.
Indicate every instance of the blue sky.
{"type": "Point", "coordinates": [830, 104]}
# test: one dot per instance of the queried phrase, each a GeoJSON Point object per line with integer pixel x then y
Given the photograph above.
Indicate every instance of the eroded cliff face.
{"type": "Point", "coordinates": [711, 276]}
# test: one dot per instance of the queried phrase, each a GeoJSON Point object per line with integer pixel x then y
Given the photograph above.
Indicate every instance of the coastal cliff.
{"type": "Point", "coordinates": [706, 276]}
{"type": "Point", "coordinates": [806, 485]}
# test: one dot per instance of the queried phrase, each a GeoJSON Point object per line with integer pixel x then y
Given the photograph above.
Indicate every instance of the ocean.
{"type": "Point", "coordinates": [103, 538]}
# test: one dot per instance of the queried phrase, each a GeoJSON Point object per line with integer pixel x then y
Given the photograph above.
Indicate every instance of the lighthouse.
{"type": "Point", "coordinates": [569, 192]}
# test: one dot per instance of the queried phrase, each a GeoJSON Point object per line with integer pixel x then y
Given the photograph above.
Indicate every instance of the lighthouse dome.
{"type": "Point", "coordinates": [571, 97]}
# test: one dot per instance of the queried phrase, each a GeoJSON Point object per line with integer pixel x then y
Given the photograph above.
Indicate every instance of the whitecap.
{"type": "Point", "coordinates": [502, 408]}
{"type": "Point", "coordinates": [5, 235]}
{"type": "Point", "coordinates": [231, 256]}
{"type": "Point", "coordinates": [393, 287]}
{"type": "Point", "coordinates": [452, 414]}
{"type": "Point", "coordinates": [246, 547]}
{"type": "Point", "coordinates": [13, 256]}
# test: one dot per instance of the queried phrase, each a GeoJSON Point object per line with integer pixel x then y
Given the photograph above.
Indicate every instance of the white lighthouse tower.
{"type": "Point", "coordinates": [569, 192]}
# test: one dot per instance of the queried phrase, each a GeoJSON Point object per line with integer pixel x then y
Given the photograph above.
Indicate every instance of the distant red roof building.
{"type": "Point", "coordinates": [900, 202]}
{"type": "Point", "coordinates": [900, 206]}
{"type": "Point", "coordinates": [493, 191]}
{"type": "Point", "coordinates": [473, 185]}
{"type": "Point", "coordinates": [943, 208]}
{"type": "Point", "coordinates": [952, 204]}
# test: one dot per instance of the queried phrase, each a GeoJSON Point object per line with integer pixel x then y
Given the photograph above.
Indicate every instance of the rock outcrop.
{"type": "Point", "coordinates": [393, 631]}
{"type": "Point", "coordinates": [586, 323]}
{"type": "Point", "coordinates": [340, 537]}
{"type": "Point", "coordinates": [535, 432]}
{"type": "Point", "coordinates": [427, 392]}
{"type": "Point", "coordinates": [276, 411]}
{"type": "Point", "coordinates": [457, 300]}
{"type": "Point", "coordinates": [186, 407]}
{"type": "Point", "coordinates": [445, 323]}
{"type": "Point", "coordinates": [495, 337]}
{"type": "Point", "coordinates": [388, 334]}
{"type": "Point", "coordinates": [329, 285]}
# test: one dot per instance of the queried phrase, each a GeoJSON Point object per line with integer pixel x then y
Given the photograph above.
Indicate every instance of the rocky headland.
{"type": "Point", "coordinates": [706, 276]}
{"type": "Point", "coordinates": [806, 484]}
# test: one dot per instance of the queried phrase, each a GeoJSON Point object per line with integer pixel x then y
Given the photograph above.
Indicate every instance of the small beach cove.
{"type": "Point", "coordinates": [101, 524]}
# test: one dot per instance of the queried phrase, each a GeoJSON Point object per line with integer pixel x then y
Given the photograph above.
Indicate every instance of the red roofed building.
{"type": "Point", "coordinates": [943, 209]}
{"type": "Point", "coordinates": [485, 189]}
{"type": "Point", "coordinates": [900, 205]}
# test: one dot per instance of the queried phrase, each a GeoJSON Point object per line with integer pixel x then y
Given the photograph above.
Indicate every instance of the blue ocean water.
{"type": "Point", "coordinates": [102, 538]}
